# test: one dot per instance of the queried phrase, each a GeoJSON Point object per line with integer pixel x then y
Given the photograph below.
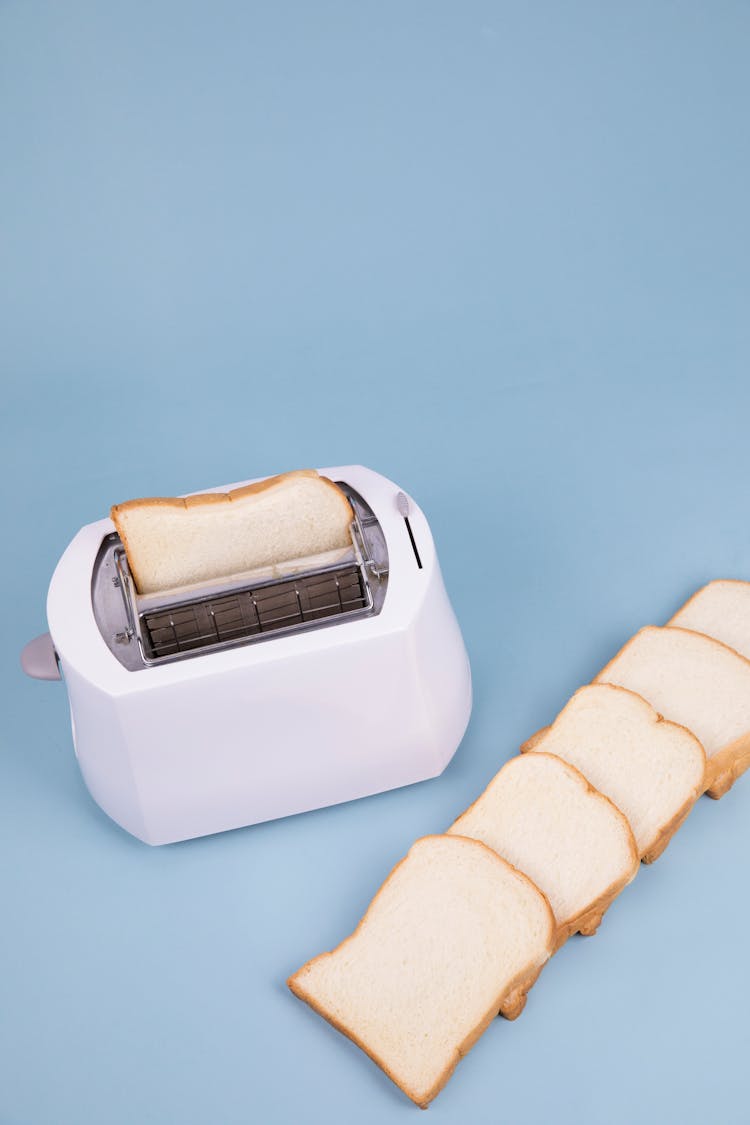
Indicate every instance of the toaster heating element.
{"type": "Point", "coordinates": [252, 612]}
{"type": "Point", "coordinates": [144, 630]}
{"type": "Point", "coordinates": [273, 692]}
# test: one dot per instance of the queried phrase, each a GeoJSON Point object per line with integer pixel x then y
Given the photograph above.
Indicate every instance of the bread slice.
{"type": "Point", "coordinates": [453, 935]}
{"type": "Point", "coordinates": [651, 769]}
{"type": "Point", "coordinates": [181, 540]}
{"type": "Point", "coordinates": [542, 815]}
{"type": "Point", "coordinates": [720, 610]}
{"type": "Point", "coordinates": [698, 682]}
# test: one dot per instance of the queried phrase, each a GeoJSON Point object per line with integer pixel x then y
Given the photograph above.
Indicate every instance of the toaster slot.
{"type": "Point", "coordinates": [246, 613]}
{"type": "Point", "coordinates": [413, 542]}
{"type": "Point", "coordinates": [142, 632]}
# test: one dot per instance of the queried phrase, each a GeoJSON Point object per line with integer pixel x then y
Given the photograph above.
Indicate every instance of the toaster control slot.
{"type": "Point", "coordinates": [413, 542]}
{"type": "Point", "coordinates": [402, 503]}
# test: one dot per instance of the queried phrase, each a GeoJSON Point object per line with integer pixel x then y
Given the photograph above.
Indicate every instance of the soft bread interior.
{"type": "Point", "coordinates": [542, 815]}
{"type": "Point", "coordinates": [449, 932]}
{"type": "Point", "coordinates": [689, 678]}
{"type": "Point", "coordinates": [650, 768]}
{"type": "Point", "coordinates": [180, 541]}
{"type": "Point", "coordinates": [720, 610]}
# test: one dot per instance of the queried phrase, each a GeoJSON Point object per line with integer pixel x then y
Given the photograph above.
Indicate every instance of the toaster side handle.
{"type": "Point", "coordinates": [39, 659]}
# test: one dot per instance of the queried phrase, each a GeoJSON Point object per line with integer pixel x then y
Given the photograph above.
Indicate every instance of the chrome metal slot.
{"type": "Point", "coordinates": [246, 613]}
{"type": "Point", "coordinates": [413, 542]}
{"type": "Point", "coordinates": [145, 631]}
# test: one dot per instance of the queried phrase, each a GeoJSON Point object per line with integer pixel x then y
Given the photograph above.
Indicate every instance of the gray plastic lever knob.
{"type": "Point", "coordinates": [39, 659]}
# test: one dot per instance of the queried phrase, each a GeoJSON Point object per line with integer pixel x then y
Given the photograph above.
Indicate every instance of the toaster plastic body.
{"type": "Point", "coordinates": [293, 721]}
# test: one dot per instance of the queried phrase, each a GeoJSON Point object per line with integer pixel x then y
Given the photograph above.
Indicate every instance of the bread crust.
{"type": "Point", "coordinates": [197, 499]}
{"type": "Point", "coordinates": [726, 765]}
{"type": "Point", "coordinates": [207, 499]}
{"type": "Point", "coordinates": [657, 845]}
{"type": "Point", "coordinates": [660, 842]}
{"type": "Point", "coordinates": [517, 992]}
{"type": "Point", "coordinates": [534, 740]}
{"type": "Point", "coordinates": [691, 599]}
{"type": "Point", "coordinates": [513, 996]}
{"type": "Point", "coordinates": [587, 922]}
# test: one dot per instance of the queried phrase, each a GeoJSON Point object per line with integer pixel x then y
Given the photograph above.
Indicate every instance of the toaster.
{"type": "Point", "coordinates": [230, 703]}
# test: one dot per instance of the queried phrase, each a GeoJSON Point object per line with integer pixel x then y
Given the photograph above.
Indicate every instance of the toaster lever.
{"type": "Point", "coordinates": [39, 659]}
{"type": "Point", "coordinates": [402, 503]}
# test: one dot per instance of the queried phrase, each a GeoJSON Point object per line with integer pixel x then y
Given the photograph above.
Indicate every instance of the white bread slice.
{"type": "Point", "coordinates": [177, 541]}
{"type": "Point", "coordinates": [698, 682]}
{"type": "Point", "coordinates": [720, 610]}
{"type": "Point", "coordinates": [453, 935]}
{"type": "Point", "coordinates": [651, 769]}
{"type": "Point", "coordinates": [542, 815]}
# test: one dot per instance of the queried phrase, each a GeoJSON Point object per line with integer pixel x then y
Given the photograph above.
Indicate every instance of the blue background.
{"type": "Point", "coordinates": [501, 253]}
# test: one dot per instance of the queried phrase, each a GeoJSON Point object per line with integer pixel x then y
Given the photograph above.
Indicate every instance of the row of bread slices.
{"type": "Point", "coordinates": [463, 925]}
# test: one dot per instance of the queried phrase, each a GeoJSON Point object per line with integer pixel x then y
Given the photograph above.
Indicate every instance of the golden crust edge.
{"type": "Point", "coordinates": [663, 838]}
{"type": "Point", "coordinates": [657, 845]}
{"type": "Point", "coordinates": [587, 922]}
{"type": "Point", "coordinates": [520, 984]}
{"type": "Point", "coordinates": [516, 994]}
{"type": "Point", "coordinates": [197, 499]}
{"type": "Point", "coordinates": [725, 766]}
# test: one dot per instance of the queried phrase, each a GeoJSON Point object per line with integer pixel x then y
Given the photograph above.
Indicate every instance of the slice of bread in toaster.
{"type": "Point", "coordinates": [650, 768]}
{"type": "Point", "coordinates": [544, 817]}
{"type": "Point", "coordinates": [698, 682]}
{"type": "Point", "coordinates": [721, 610]}
{"type": "Point", "coordinates": [171, 542]}
{"type": "Point", "coordinates": [453, 935]}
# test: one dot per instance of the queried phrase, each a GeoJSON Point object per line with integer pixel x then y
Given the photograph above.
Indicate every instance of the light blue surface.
{"type": "Point", "coordinates": [499, 252]}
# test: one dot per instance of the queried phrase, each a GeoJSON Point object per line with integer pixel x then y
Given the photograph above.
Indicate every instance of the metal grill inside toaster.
{"type": "Point", "coordinates": [247, 612]}
{"type": "Point", "coordinates": [144, 632]}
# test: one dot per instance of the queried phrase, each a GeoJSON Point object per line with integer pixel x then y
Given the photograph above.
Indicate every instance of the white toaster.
{"type": "Point", "coordinates": [225, 705]}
